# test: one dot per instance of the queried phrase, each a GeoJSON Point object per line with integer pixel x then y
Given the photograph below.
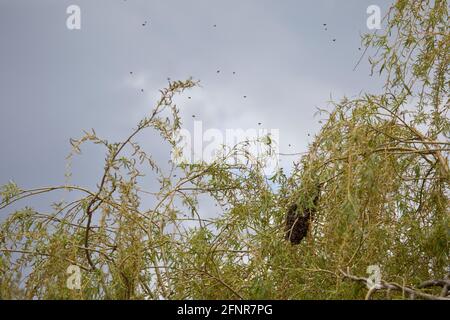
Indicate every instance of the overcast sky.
{"type": "Point", "coordinates": [55, 82]}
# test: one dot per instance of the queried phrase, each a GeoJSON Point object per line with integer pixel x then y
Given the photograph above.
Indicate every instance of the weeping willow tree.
{"type": "Point", "coordinates": [381, 162]}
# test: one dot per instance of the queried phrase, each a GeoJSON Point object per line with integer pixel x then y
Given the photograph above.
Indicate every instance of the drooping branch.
{"type": "Point", "coordinates": [392, 286]}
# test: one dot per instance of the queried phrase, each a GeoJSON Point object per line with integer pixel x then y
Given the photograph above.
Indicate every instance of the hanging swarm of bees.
{"type": "Point", "coordinates": [299, 217]}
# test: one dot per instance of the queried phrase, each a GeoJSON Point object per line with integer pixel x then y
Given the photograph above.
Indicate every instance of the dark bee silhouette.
{"type": "Point", "coordinates": [298, 219]}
